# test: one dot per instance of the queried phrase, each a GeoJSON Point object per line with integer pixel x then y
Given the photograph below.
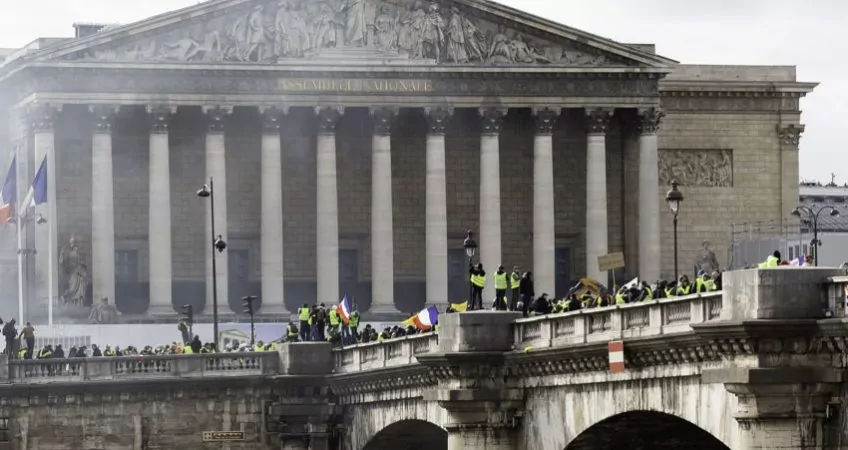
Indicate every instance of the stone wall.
{"type": "Point", "coordinates": [152, 416]}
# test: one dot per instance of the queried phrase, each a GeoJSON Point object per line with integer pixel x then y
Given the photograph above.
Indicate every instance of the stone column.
{"type": "Point", "coordinates": [41, 122]}
{"type": "Point", "coordinates": [102, 206]}
{"type": "Point", "coordinates": [436, 213]}
{"type": "Point", "coordinates": [597, 122]}
{"type": "Point", "coordinates": [490, 196]}
{"type": "Point", "coordinates": [216, 168]}
{"type": "Point", "coordinates": [159, 216]}
{"type": "Point", "coordinates": [544, 223]}
{"type": "Point", "coordinates": [382, 228]}
{"type": "Point", "coordinates": [790, 139]}
{"type": "Point", "coordinates": [649, 194]}
{"type": "Point", "coordinates": [271, 240]}
{"type": "Point", "coordinates": [328, 206]}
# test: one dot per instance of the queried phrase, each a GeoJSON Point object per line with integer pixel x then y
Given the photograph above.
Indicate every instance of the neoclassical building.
{"type": "Point", "coordinates": [351, 144]}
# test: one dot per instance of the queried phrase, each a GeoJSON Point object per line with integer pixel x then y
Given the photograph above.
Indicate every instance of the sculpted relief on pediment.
{"type": "Point", "coordinates": [302, 30]}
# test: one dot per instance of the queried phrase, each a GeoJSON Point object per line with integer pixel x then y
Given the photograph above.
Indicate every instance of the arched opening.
{"type": "Point", "coordinates": [410, 435]}
{"type": "Point", "coordinates": [642, 430]}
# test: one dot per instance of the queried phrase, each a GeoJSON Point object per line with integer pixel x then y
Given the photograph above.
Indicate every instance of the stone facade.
{"type": "Point", "coordinates": [718, 129]}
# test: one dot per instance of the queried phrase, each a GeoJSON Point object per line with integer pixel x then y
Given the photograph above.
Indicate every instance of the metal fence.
{"type": "Point", "coordinates": [753, 242]}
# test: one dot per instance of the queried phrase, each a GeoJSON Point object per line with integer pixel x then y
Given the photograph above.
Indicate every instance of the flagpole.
{"type": "Point", "coordinates": [20, 272]}
{"type": "Point", "coordinates": [50, 274]}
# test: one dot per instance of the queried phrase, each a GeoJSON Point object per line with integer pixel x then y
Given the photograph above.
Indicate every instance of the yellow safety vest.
{"type": "Point", "coordinates": [515, 281]}
{"type": "Point", "coordinates": [292, 331]}
{"type": "Point", "coordinates": [354, 321]}
{"type": "Point", "coordinates": [619, 299]}
{"type": "Point", "coordinates": [500, 281]}
{"type": "Point", "coordinates": [478, 280]}
{"type": "Point", "coordinates": [303, 314]}
{"type": "Point", "coordinates": [771, 261]}
{"type": "Point", "coordinates": [334, 318]}
{"type": "Point", "coordinates": [684, 290]}
{"type": "Point", "coordinates": [188, 350]}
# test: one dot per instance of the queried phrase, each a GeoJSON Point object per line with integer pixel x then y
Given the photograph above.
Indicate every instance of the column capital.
{"type": "Point", "coordinates": [382, 118]}
{"type": "Point", "coordinates": [790, 135]}
{"type": "Point", "coordinates": [160, 117]}
{"type": "Point", "coordinates": [598, 120]}
{"type": "Point", "coordinates": [492, 119]}
{"type": "Point", "coordinates": [104, 115]}
{"type": "Point", "coordinates": [216, 116]}
{"type": "Point", "coordinates": [272, 118]}
{"type": "Point", "coordinates": [649, 120]}
{"type": "Point", "coordinates": [41, 116]}
{"type": "Point", "coordinates": [437, 119]}
{"type": "Point", "coordinates": [546, 119]}
{"type": "Point", "coordinates": [328, 118]}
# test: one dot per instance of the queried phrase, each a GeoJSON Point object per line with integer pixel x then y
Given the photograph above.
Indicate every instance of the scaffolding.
{"type": "Point", "coordinates": [751, 243]}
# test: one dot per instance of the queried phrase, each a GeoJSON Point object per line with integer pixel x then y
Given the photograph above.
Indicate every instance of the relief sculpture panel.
{"type": "Point", "coordinates": [298, 30]}
{"type": "Point", "coordinates": [704, 168]}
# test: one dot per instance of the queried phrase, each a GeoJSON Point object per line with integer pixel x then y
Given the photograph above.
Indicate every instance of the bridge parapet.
{"type": "Point", "coordinates": [651, 318]}
{"type": "Point", "coordinates": [380, 355]}
{"type": "Point", "coordinates": [212, 365]}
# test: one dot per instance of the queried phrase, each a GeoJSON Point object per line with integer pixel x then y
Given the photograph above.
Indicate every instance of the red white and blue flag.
{"type": "Point", "coordinates": [344, 309]}
{"type": "Point", "coordinates": [37, 193]}
{"type": "Point", "coordinates": [9, 194]}
{"type": "Point", "coordinates": [426, 320]}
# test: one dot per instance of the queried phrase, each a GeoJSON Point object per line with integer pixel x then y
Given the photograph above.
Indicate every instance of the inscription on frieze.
{"type": "Point", "coordinates": [274, 32]}
{"type": "Point", "coordinates": [703, 168]}
{"type": "Point", "coordinates": [355, 85]}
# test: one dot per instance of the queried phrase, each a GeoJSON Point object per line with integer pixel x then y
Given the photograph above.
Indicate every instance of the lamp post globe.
{"type": "Point", "coordinates": [470, 246]}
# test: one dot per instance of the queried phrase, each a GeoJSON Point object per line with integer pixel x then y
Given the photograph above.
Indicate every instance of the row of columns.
{"type": "Point", "coordinates": [327, 242]}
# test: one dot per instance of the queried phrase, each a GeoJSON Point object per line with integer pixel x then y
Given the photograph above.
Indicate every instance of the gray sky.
{"type": "Point", "coordinates": [768, 32]}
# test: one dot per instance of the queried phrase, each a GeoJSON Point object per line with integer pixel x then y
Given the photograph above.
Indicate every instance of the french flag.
{"type": "Point", "coordinates": [9, 194]}
{"type": "Point", "coordinates": [37, 193]}
{"type": "Point", "coordinates": [797, 262]}
{"type": "Point", "coordinates": [344, 309]}
{"type": "Point", "coordinates": [426, 319]}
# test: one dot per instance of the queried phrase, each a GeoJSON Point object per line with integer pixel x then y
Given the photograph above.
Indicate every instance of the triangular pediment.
{"type": "Point", "coordinates": [339, 32]}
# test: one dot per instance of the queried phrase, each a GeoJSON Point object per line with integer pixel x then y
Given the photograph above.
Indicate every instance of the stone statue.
{"type": "Point", "coordinates": [385, 32]}
{"type": "Point", "coordinates": [434, 33]}
{"type": "Point", "coordinates": [456, 50]}
{"type": "Point", "coordinates": [356, 29]}
{"type": "Point", "coordinates": [103, 312]}
{"type": "Point", "coordinates": [75, 272]}
{"type": "Point", "coordinates": [706, 261]}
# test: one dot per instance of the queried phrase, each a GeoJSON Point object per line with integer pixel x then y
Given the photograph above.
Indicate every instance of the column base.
{"type": "Point", "coordinates": [161, 310]}
{"type": "Point", "coordinates": [385, 312]}
{"type": "Point", "coordinates": [274, 310]}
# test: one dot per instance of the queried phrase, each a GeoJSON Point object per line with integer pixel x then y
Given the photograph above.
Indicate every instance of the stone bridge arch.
{"type": "Point", "coordinates": [410, 434]}
{"type": "Point", "coordinates": [643, 430]}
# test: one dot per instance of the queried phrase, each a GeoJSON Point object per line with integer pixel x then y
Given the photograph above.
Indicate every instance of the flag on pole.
{"type": "Point", "coordinates": [9, 194]}
{"type": "Point", "coordinates": [344, 310]}
{"type": "Point", "coordinates": [425, 320]}
{"type": "Point", "coordinates": [37, 193]}
{"type": "Point", "coordinates": [632, 284]}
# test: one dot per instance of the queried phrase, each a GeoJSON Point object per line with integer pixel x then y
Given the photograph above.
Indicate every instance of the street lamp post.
{"type": "Point", "coordinates": [218, 243]}
{"type": "Point", "coordinates": [674, 197]}
{"type": "Point", "coordinates": [470, 246]}
{"type": "Point", "coordinates": [813, 219]}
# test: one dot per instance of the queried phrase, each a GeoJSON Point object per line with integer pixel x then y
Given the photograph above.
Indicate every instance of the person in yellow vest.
{"type": "Point", "coordinates": [303, 317]}
{"type": "Point", "coordinates": [501, 283]}
{"type": "Point", "coordinates": [703, 283]}
{"type": "Point", "coordinates": [259, 347]}
{"type": "Point", "coordinates": [187, 350]}
{"type": "Point", "coordinates": [771, 261]}
{"type": "Point", "coordinates": [514, 291]}
{"type": "Point", "coordinates": [684, 287]}
{"type": "Point", "coordinates": [22, 353]}
{"type": "Point", "coordinates": [291, 332]}
{"type": "Point", "coordinates": [621, 296]}
{"type": "Point", "coordinates": [353, 327]}
{"type": "Point", "coordinates": [334, 320]}
{"type": "Point", "coordinates": [478, 281]}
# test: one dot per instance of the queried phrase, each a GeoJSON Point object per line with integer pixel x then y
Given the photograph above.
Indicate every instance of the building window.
{"type": "Point", "coordinates": [348, 265]}
{"type": "Point", "coordinates": [457, 265]}
{"type": "Point", "coordinates": [126, 266]}
{"type": "Point", "coordinates": [239, 261]}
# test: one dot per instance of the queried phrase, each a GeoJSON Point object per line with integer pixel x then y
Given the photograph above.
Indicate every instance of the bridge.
{"type": "Point", "coordinates": [760, 365]}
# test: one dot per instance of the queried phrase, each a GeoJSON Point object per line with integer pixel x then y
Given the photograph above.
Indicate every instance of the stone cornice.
{"type": "Point", "coordinates": [411, 376]}
{"type": "Point", "coordinates": [735, 88]}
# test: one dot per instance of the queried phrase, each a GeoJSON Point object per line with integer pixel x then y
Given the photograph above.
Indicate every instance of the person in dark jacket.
{"type": "Point", "coordinates": [196, 345]}
{"type": "Point", "coordinates": [527, 292]}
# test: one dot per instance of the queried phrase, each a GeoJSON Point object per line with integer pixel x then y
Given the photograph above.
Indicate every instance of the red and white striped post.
{"type": "Point", "coordinates": [616, 356]}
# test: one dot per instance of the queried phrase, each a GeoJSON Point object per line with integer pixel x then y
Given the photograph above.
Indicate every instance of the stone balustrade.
{"type": "Point", "coordinates": [143, 367]}
{"type": "Point", "coordinates": [381, 355]}
{"type": "Point", "coordinates": [649, 318]}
